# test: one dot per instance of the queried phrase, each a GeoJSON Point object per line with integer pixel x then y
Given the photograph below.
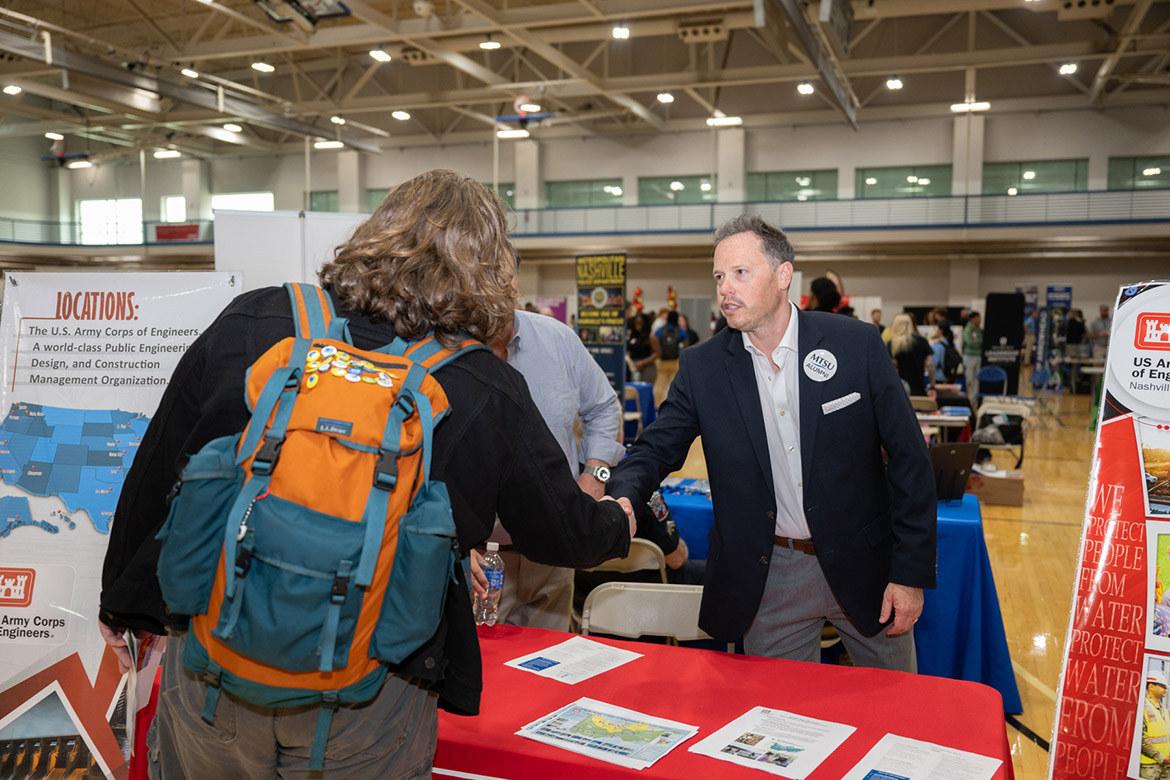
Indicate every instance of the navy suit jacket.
{"type": "Point", "coordinates": [872, 523]}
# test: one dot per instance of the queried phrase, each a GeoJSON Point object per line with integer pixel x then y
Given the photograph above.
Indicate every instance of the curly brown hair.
{"type": "Point", "coordinates": [434, 256]}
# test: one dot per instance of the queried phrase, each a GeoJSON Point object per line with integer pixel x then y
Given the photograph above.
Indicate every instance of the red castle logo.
{"type": "Point", "coordinates": [1153, 331]}
{"type": "Point", "coordinates": [16, 587]}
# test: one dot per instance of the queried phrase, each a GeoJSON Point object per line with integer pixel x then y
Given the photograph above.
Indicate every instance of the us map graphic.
{"type": "Point", "coordinates": [79, 456]}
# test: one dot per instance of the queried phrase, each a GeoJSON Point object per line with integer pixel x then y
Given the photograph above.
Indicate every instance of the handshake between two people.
{"type": "Point", "coordinates": [479, 579]}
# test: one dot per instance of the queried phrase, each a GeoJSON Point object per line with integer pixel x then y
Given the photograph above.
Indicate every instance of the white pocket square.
{"type": "Point", "coordinates": [840, 403]}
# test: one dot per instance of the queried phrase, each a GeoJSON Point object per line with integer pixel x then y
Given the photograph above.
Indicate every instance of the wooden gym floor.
{"type": "Point", "coordinates": [1033, 551]}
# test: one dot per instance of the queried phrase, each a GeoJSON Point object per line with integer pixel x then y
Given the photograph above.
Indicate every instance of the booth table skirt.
{"type": "Point", "coordinates": [708, 689]}
{"type": "Point", "coordinates": [960, 634]}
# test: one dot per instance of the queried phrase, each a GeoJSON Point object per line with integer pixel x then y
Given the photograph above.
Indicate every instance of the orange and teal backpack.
{"type": "Point", "coordinates": [312, 548]}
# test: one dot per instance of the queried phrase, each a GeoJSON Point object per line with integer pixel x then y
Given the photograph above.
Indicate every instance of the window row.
{"type": "Point", "coordinates": [120, 220]}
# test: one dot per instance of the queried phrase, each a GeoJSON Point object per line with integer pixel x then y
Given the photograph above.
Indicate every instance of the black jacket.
{"type": "Point", "coordinates": [872, 522]}
{"type": "Point", "coordinates": [493, 451]}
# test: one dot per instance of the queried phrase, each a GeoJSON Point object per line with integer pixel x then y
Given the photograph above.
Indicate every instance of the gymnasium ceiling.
{"type": "Point", "coordinates": [107, 73]}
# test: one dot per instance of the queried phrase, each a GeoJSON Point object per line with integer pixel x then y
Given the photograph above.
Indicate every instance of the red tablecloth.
{"type": "Point", "coordinates": [707, 689]}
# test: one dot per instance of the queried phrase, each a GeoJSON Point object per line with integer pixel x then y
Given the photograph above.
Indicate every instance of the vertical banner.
{"type": "Point", "coordinates": [86, 358]}
{"type": "Point", "coordinates": [1112, 694]}
{"type": "Point", "coordinates": [1003, 335]}
{"type": "Point", "coordinates": [601, 313]}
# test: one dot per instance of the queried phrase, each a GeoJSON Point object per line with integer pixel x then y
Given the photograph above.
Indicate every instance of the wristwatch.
{"type": "Point", "coordinates": [600, 472]}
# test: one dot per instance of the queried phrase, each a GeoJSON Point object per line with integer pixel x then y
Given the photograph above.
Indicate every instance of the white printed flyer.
{"type": "Point", "coordinates": [573, 660]}
{"type": "Point", "coordinates": [901, 758]}
{"type": "Point", "coordinates": [774, 741]}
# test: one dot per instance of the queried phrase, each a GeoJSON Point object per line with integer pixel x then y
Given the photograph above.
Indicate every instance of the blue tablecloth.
{"type": "Point", "coordinates": [649, 411]}
{"type": "Point", "coordinates": [960, 634]}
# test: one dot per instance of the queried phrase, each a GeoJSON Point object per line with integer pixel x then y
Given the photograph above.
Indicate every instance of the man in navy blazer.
{"type": "Point", "coordinates": [812, 523]}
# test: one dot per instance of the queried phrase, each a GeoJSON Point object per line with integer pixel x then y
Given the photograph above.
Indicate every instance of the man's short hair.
{"type": "Point", "coordinates": [434, 256]}
{"type": "Point", "coordinates": [672, 318]}
{"type": "Point", "coordinates": [775, 245]}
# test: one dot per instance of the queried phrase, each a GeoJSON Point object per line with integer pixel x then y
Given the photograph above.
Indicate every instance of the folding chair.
{"type": "Point", "coordinates": [644, 555]}
{"type": "Point", "coordinates": [633, 610]}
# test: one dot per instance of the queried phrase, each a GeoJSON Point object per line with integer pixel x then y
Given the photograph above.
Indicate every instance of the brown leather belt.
{"type": "Point", "coordinates": [800, 545]}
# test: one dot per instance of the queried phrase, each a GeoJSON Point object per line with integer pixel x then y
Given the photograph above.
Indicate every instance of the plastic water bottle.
{"type": "Point", "coordinates": [487, 606]}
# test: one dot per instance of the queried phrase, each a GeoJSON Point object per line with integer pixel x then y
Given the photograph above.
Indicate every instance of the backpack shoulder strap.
{"type": "Point", "coordinates": [429, 353]}
{"type": "Point", "coordinates": [313, 312]}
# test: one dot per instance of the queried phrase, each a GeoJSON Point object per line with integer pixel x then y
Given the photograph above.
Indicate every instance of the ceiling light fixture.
{"type": "Point", "coordinates": [167, 154]}
{"type": "Point", "coordinates": [959, 108]}
{"type": "Point", "coordinates": [1068, 68]}
{"type": "Point", "coordinates": [190, 73]}
{"type": "Point", "coordinates": [401, 116]}
{"type": "Point", "coordinates": [677, 186]}
{"type": "Point", "coordinates": [54, 136]}
{"type": "Point", "coordinates": [665, 97]}
{"type": "Point", "coordinates": [232, 127]}
{"type": "Point", "coordinates": [12, 89]}
{"type": "Point", "coordinates": [893, 83]}
{"type": "Point", "coordinates": [263, 66]}
{"type": "Point", "coordinates": [621, 32]}
{"type": "Point", "coordinates": [724, 121]}
{"type": "Point", "coordinates": [705, 186]}
{"type": "Point", "coordinates": [1152, 172]}
{"type": "Point", "coordinates": [489, 44]}
{"type": "Point", "coordinates": [912, 179]}
{"type": "Point", "coordinates": [530, 108]}
{"type": "Point", "coordinates": [80, 164]}
{"type": "Point", "coordinates": [923, 182]}
{"type": "Point", "coordinates": [1012, 191]}
{"type": "Point", "coordinates": [511, 134]}
{"type": "Point", "coordinates": [1029, 175]}
{"type": "Point", "coordinates": [337, 120]}
{"type": "Point", "coordinates": [803, 181]}
{"type": "Point", "coordinates": [380, 54]}
{"type": "Point", "coordinates": [802, 197]}
{"type": "Point", "coordinates": [870, 181]}
{"type": "Point", "coordinates": [323, 144]}
{"type": "Point", "coordinates": [805, 88]}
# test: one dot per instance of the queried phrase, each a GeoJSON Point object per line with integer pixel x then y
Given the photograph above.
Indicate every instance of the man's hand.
{"type": "Point", "coordinates": [905, 603]}
{"type": "Point", "coordinates": [117, 641]}
{"type": "Point", "coordinates": [628, 508]}
{"type": "Point", "coordinates": [677, 558]}
{"type": "Point", "coordinates": [479, 581]}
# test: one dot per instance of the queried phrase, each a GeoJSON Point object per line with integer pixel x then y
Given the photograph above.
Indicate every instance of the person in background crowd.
{"type": "Point", "coordinates": [948, 363]}
{"type": "Point", "coordinates": [1099, 329]}
{"type": "Point", "coordinates": [964, 315]}
{"type": "Point", "coordinates": [1155, 758]}
{"type": "Point", "coordinates": [1074, 331]}
{"type": "Point", "coordinates": [692, 337]}
{"type": "Point", "coordinates": [642, 350]}
{"type": "Point", "coordinates": [875, 317]}
{"type": "Point", "coordinates": [659, 320]}
{"type": "Point", "coordinates": [911, 353]}
{"type": "Point", "coordinates": [847, 311]}
{"type": "Point", "coordinates": [972, 351]}
{"type": "Point", "coordinates": [792, 406]}
{"type": "Point", "coordinates": [671, 340]}
{"type": "Point", "coordinates": [822, 295]}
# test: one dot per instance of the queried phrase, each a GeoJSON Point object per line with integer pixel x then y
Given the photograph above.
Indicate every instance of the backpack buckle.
{"type": "Point", "coordinates": [386, 470]}
{"type": "Point", "coordinates": [340, 586]}
{"type": "Point", "coordinates": [265, 460]}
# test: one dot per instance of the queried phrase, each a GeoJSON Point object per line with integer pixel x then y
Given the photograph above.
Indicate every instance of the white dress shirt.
{"type": "Point", "coordinates": [780, 401]}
